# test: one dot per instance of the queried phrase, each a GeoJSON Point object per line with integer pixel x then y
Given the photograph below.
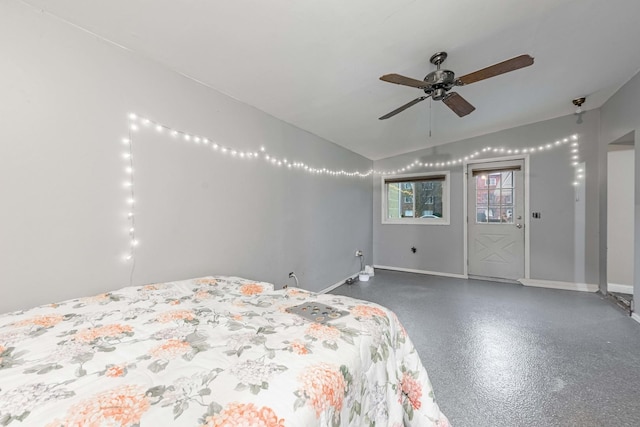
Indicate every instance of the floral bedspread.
{"type": "Point", "coordinates": [213, 351]}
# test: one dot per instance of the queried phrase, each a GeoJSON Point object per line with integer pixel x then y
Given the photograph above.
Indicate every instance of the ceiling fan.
{"type": "Point", "coordinates": [438, 83]}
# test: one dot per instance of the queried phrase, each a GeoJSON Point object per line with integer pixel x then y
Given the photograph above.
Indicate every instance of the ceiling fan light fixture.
{"type": "Point", "coordinates": [578, 103]}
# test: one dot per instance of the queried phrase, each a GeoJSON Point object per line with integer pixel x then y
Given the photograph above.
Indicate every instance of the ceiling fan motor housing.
{"type": "Point", "coordinates": [440, 81]}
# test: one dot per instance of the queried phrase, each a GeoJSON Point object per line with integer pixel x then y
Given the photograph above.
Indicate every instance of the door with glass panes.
{"type": "Point", "coordinates": [495, 219]}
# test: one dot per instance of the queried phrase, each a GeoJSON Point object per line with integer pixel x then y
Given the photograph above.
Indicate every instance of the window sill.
{"type": "Point", "coordinates": [416, 221]}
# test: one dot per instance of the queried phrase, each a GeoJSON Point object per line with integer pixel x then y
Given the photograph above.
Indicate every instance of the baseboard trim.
{"type": "Point", "coordinates": [411, 270]}
{"type": "Point", "coordinates": [337, 285]}
{"type": "Point", "coordinates": [635, 317]}
{"type": "Point", "coordinates": [623, 289]}
{"type": "Point", "coordinates": [565, 286]}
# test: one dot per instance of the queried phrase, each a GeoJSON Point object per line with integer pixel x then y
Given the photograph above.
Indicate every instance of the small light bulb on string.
{"type": "Point", "coordinates": [292, 164]}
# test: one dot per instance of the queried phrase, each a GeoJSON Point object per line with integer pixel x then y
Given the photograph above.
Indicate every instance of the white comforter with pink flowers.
{"type": "Point", "coordinates": [214, 351]}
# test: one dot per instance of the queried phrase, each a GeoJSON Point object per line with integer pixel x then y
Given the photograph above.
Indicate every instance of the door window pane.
{"type": "Point", "coordinates": [507, 179]}
{"type": "Point", "coordinates": [481, 215]}
{"type": "Point", "coordinates": [507, 215]}
{"type": "Point", "coordinates": [506, 197]}
{"type": "Point", "coordinates": [495, 197]}
{"type": "Point", "coordinates": [482, 197]}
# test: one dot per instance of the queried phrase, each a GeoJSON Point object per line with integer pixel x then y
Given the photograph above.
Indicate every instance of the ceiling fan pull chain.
{"type": "Point", "coordinates": [430, 115]}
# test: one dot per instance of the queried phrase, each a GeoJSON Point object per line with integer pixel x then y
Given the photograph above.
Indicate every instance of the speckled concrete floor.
{"type": "Point", "coordinates": [508, 355]}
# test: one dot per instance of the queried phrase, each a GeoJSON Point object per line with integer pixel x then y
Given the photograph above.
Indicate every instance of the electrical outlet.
{"type": "Point", "coordinates": [358, 253]}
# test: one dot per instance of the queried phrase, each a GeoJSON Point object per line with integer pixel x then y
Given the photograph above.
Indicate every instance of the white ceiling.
{"type": "Point", "coordinates": [316, 63]}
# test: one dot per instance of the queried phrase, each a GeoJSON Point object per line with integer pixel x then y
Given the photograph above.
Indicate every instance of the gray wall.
{"type": "Point", "coordinates": [554, 254]}
{"type": "Point", "coordinates": [620, 115]}
{"type": "Point", "coordinates": [65, 98]}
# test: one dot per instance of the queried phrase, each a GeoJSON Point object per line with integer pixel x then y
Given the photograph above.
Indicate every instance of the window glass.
{"type": "Point", "coordinates": [393, 197]}
{"type": "Point", "coordinates": [495, 197]}
{"type": "Point", "coordinates": [419, 199]}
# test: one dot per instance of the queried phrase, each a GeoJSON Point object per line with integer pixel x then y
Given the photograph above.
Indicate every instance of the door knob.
{"type": "Point", "coordinates": [518, 225]}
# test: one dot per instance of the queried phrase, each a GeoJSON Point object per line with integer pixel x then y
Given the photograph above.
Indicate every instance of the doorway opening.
{"type": "Point", "coordinates": [620, 220]}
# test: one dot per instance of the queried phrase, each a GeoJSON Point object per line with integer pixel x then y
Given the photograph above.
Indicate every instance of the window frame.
{"type": "Point", "coordinates": [446, 200]}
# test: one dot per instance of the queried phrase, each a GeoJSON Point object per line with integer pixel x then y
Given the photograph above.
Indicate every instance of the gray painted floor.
{"type": "Point", "coordinates": [508, 355]}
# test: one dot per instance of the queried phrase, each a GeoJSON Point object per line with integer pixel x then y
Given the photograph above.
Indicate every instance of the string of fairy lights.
{"type": "Point", "coordinates": [138, 123]}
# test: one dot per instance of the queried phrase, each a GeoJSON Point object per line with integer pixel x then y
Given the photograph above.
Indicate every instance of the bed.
{"type": "Point", "coordinates": [211, 351]}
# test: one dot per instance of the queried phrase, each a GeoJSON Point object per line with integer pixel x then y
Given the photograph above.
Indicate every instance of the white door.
{"type": "Point", "coordinates": [496, 219]}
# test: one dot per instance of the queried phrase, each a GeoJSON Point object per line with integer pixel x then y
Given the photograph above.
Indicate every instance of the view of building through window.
{"type": "Point", "coordinates": [494, 197]}
{"type": "Point", "coordinates": [418, 198]}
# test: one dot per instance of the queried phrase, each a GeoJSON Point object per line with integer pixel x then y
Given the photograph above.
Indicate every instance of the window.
{"type": "Point", "coordinates": [494, 196]}
{"type": "Point", "coordinates": [416, 199]}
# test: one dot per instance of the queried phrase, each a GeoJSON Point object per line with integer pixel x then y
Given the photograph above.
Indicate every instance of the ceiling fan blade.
{"type": "Point", "coordinates": [497, 69]}
{"type": "Point", "coordinates": [405, 81]}
{"type": "Point", "coordinates": [404, 107]}
{"type": "Point", "coordinates": [458, 104]}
